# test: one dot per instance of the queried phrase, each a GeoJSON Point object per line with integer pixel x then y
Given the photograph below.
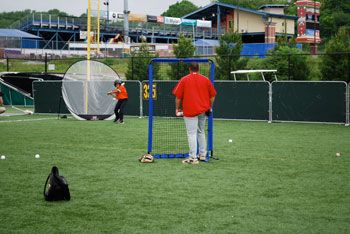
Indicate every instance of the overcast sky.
{"type": "Point", "coordinates": [77, 7]}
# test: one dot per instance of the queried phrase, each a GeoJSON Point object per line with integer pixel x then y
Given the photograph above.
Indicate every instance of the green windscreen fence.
{"type": "Point", "coordinates": [133, 106]}
{"type": "Point", "coordinates": [14, 97]}
{"type": "Point", "coordinates": [309, 101]}
{"type": "Point", "coordinates": [162, 91]}
{"type": "Point", "coordinates": [48, 97]}
{"type": "Point", "coordinates": [242, 100]}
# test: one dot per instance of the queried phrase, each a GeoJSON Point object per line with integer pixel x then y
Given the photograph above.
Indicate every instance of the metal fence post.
{"type": "Point", "coordinates": [7, 64]}
{"type": "Point", "coordinates": [45, 63]}
{"type": "Point", "coordinates": [270, 102]}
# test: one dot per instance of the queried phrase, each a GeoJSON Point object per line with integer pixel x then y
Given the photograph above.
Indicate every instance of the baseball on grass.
{"type": "Point", "coordinates": [230, 140]}
{"type": "Point", "coordinates": [337, 154]}
{"type": "Point", "coordinates": [3, 157]}
{"type": "Point", "coordinates": [37, 156]}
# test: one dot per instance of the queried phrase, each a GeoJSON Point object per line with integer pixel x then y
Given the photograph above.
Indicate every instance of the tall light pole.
{"type": "Point", "coordinates": [126, 20]}
{"type": "Point", "coordinates": [106, 3]}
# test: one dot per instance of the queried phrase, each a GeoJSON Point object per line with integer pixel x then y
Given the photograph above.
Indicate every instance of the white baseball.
{"type": "Point", "coordinates": [180, 113]}
{"type": "Point", "coordinates": [230, 140]}
{"type": "Point", "coordinates": [37, 156]}
{"type": "Point", "coordinates": [3, 157]}
{"type": "Point", "coordinates": [337, 154]}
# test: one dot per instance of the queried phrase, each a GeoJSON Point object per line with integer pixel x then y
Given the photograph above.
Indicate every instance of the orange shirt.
{"type": "Point", "coordinates": [120, 92]}
{"type": "Point", "coordinates": [195, 91]}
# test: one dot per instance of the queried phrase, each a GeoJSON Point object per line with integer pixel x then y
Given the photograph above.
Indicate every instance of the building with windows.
{"type": "Point", "coordinates": [256, 26]}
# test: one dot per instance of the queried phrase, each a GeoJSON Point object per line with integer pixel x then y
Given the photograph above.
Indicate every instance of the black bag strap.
{"type": "Point", "coordinates": [54, 172]}
{"type": "Point", "coordinates": [48, 177]}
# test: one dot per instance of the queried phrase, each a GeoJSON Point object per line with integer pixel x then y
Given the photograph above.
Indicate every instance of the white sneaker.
{"type": "Point", "coordinates": [190, 161]}
{"type": "Point", "coordinates": [202, 158]}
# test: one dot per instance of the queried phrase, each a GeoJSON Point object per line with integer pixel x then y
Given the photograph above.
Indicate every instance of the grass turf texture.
{"type": "Point", "coordinates": [273, 178]}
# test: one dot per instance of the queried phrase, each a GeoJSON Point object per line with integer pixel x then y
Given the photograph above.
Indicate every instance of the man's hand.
{"type": "Point", "coordinates": [208, 112]}
{"type": "Point", "coordinates": [179, 112]}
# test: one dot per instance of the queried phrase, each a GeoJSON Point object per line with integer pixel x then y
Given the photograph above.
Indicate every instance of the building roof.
{"type": "Point", "coordinates": [16, 33]}
{"type": "Point", "coordinates": [211, 10]}
{"type": "Point", "coordinates": [272, 6]}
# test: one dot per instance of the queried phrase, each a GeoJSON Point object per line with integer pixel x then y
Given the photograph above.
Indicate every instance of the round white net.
{"type": "Point", "coordinates": [84, 90]}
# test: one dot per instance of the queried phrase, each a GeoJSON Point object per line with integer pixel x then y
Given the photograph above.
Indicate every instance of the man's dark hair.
{"type": "Point", "coordinates": [194, 67]}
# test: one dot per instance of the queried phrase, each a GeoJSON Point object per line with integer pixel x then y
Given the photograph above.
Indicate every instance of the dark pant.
{"type": "Point", "coordinates": [119, 109]}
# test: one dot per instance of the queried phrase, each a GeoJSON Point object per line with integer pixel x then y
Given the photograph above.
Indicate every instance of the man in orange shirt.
{"type": "Point", "coordinates": [121, 94]}
{"type": "Point", "coordinates": [196, 94]}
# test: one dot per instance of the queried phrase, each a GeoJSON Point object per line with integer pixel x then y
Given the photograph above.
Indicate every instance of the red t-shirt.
{"type": "Point", "coordinates": [195, 91]}
{"type": "Point", "coordinates": [120, 92]}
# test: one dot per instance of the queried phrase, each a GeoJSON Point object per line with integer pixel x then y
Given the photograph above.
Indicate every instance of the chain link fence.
{"type": "Point", "coordinates": [332, 67]}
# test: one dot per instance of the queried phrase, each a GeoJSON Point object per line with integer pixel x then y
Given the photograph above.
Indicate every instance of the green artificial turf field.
{"type": "Point", "coordinates": [272, 178]}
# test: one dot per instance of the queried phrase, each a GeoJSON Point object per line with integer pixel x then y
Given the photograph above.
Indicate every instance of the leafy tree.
{"type": "Point", "coordinates": [9, 18]}
{"type": "Point", "coordinates": [228, 55]}
{"type": "Point", "coordinates": [180, 9]}
{"type": "Point", "coordinates": [57, 12]}
{"type": "Point", "coordinates": [184, 49]}
{"type": "Point", "coordinates": [335, 63]}
{"type": "Point", "coordinates": [334, 14]}
{"type": "Point", "coordinates": [138, 64]}
{"type": "Point", "coordinates": [258, 3]}
{"type": "Point", "coordinates": [289, 62]}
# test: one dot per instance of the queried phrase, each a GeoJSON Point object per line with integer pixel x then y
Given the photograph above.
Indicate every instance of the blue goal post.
{"type": "Point", "coordinates": [151, 103]}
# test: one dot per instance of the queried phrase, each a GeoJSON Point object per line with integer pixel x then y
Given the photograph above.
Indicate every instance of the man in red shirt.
{"type": "Point", "coordinates": [121, 94]}
{"type": "Point", "coordinates": [196, 94]}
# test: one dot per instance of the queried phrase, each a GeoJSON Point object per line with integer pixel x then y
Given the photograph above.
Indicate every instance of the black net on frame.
{"type": "Point", "coordinates": [169, 137]}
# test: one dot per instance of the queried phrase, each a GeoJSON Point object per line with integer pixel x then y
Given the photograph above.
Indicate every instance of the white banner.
{"type": "Point", "coordinates": [172, 20]}
{"type": "Point", "coordinates": [204, 23]}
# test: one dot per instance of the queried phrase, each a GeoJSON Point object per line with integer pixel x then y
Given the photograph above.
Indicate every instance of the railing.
{"type": "Point", "coordinates": [74, 23]}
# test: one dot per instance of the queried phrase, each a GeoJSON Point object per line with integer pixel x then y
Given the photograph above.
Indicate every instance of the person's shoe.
{"type": "Point", "coordinates": [115, 120]}
{"type": "Point", "coordinates": [202, 158]}
{"type": "Point", "coordinates": [190, 161]}
{"type": "Point", "coordinates": [121, 122]}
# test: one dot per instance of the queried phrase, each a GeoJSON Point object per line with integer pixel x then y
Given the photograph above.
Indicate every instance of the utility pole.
{"type": "Point", "coordinates": [126, 21]}
{"type": "Point", "coordinates": [106, 3]}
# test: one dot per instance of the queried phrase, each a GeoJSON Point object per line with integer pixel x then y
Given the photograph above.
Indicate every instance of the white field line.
{"type": "Point", "coordinates": [25, 120]}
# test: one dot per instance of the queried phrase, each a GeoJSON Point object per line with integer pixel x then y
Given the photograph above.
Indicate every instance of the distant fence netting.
{"type": "Point", "coordinates": [309, 101]}
{"type": "Point", "coordinates": [242, 100]}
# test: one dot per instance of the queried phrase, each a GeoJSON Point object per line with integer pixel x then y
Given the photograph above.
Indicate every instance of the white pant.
{"type": "Point", "coordinates": [195, 127]}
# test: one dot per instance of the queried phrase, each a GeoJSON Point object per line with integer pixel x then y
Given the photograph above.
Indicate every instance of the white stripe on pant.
{"type": "Point", "coordinates": [195, 127]}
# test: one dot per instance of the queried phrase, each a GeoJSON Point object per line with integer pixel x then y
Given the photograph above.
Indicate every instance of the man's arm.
{"type": "Point", "coordinates": [212, 99]}
{"type": "Point", "coordinates": [177, 105]}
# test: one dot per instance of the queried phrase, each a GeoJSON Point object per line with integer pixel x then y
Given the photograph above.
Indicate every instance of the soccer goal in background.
{"type": "Point", "coordinates": [167, 137]}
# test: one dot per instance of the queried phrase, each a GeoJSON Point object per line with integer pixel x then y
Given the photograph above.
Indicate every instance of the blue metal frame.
{"type": "Point", "coordinates": [150, 106]}
{"type": "Point", "coordinates": [150, 102]}
{"type": "Point", "coordinates": [211, 117]}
